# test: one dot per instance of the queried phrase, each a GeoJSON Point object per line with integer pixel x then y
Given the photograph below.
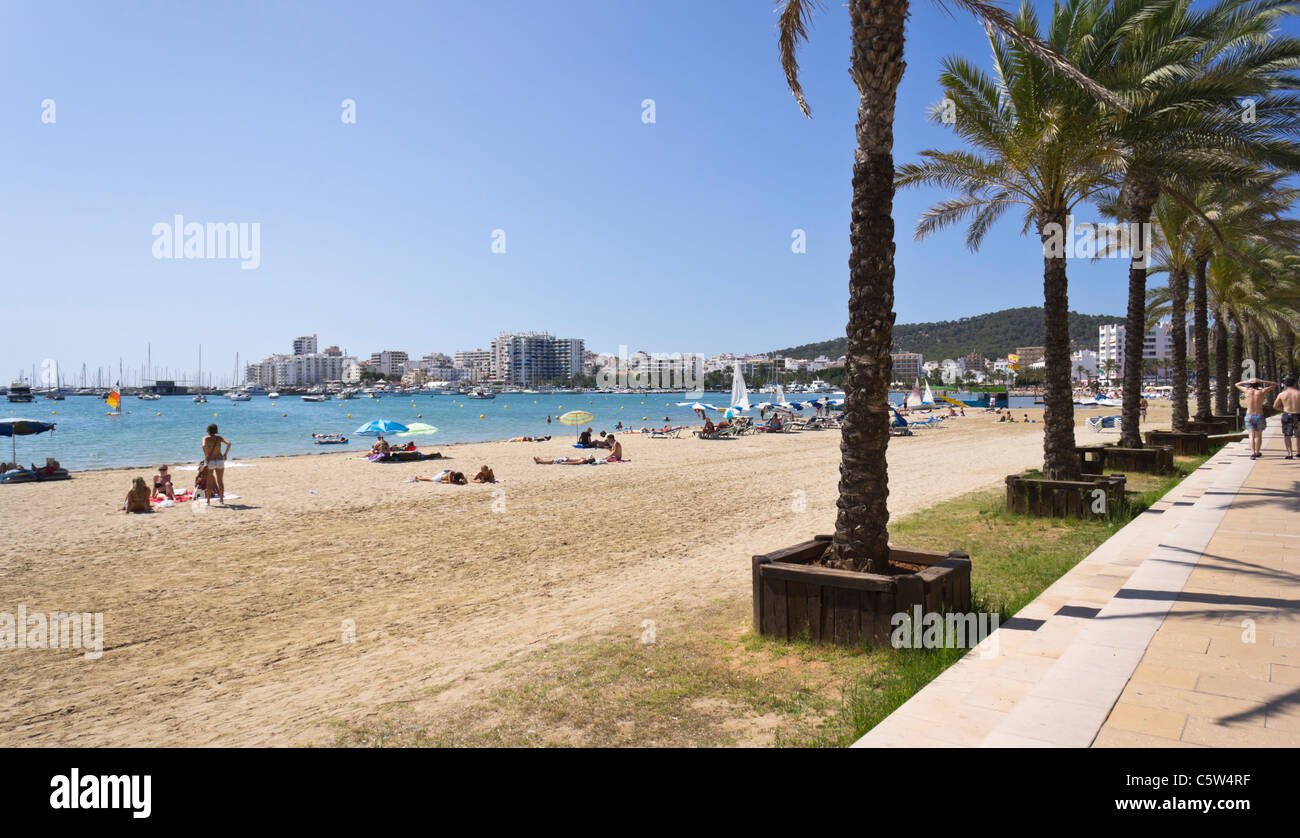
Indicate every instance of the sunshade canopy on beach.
{"type": "Point", "coordinates": [22, 427]}
{"type": "Point", "coordinates": [576, 417]}
{"type": "Point", "coordinates": [375, 427]}
{"type": "Point", "coordinates": [416, 428]}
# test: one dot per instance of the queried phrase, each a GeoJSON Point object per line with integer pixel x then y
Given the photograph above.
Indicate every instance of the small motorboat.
{"type": "Point", "coordinates": [238, 397]}
{"type": "Point", "coordinates": [149, 397]}
{"type": "Point", "coordinates": [329, 439]}
{"type": "Point", "coordinates": [314, 397]}
{"type": "Point", "coordinates": [274, 394]}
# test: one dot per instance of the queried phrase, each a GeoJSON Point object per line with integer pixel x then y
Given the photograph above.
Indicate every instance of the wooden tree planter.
{"type": "Point", "coordinates": [1214, 426]}
{"type": "Point", "coordinates": [1064, 498]}
{"type": "Point", "coordinates": [794, 599]}
{"type": "Point", "coordinates": [1184, 444]}
{"type": "Point", "coordinates": [1099, 459]}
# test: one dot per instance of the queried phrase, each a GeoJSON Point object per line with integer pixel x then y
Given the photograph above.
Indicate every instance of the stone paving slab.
{"type": "Point", "coordinates": [1182, 630]}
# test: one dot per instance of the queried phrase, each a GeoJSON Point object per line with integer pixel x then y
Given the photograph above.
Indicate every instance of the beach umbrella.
{"type": "Point", "coordinates": [416, 428]}
{"type": "Point", "coordinates": [576, 417]}
{"type": "Point", "coordinates": [694, 405]}
{"type": "Point", "coordinates": [22, 427]}
{"type": "Point", "coordinates": [375, 427]}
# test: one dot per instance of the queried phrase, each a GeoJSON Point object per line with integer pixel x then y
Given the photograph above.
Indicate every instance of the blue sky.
{"type": "Point", "coordinates": [470, 117]}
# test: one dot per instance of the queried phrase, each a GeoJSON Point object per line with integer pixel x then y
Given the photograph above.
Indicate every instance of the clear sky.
{"type": "Point", "coordinates": [518, 116]}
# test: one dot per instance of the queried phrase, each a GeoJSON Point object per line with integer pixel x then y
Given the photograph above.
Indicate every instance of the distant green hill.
{"type": "Point", "coordinates": [992, 335]}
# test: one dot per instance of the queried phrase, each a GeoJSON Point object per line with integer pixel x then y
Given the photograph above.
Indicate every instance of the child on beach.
{"type": "Point", "coordinates": [201, 482]}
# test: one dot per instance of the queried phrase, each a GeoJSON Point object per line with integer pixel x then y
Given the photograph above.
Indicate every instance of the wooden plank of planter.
{"type": "Point", "coordinates": [825, 575]}
{"type": "Point", "coordinates": [828, 614]}
{"type": "Point", "coordinates": [796, 594]}
{"type": "Point", "coordinates": [774, 617]}
{"type": "Point", "coordinates": [925, 557]}
{"type": "Point", "coordinates": [798, 554]}
{"type": "Point", "coordinates": [814, 613]}
{"type": "Point", "coordinates": [846, 616]}
{"type": "Point", "coordinates": [757, 563]}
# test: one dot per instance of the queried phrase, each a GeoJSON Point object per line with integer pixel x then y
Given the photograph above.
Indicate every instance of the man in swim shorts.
{"type": "Point", "coordinates": [1256, 397]}
{"type": "Point", "coordinates": [1288, 401]}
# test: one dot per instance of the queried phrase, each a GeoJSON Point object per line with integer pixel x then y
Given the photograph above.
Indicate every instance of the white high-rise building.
{"type": "Point", "coordinates": [476, 362]}
{"type": "Point", "coordinates": [1157, 346]}
{"type": "Point", "coordinates": [389, 362]}
{"type": "Point", "coordinates": [528, 358]}
{"type": "Point", "coordinates": [305, 345]}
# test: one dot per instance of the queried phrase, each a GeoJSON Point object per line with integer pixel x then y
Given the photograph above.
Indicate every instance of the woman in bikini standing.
{"type": "Point", "coordinates": [215, 460]}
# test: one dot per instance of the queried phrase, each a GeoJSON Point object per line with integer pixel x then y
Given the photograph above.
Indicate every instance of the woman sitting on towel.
{"type": "Point", "coordinates": [162, 484]}
{"type": "Point", "coordinates": [137, 499]}
{"type": "Point", "coordinates": [381, 446]}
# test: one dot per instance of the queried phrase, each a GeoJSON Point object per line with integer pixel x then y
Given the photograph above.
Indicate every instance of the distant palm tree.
{"type": "Point", "coordinates": [1183, 76]}
{"type": "Point", "coordinates": [1230, 218]}
{"type": "Point", "coordinates": [861, 540]}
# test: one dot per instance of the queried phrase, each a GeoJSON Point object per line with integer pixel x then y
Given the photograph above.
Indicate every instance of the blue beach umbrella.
{"type": "Point", "coordinates": [375, 427]}
{"type": "Point", "coordinates": [22, 427]}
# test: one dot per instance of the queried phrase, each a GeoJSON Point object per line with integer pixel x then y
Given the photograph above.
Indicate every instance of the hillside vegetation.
{"type": "Point", "coordinates": [992, 335]}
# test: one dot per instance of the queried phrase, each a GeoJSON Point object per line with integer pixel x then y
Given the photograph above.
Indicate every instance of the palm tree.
{"type": "Point", "coordinates": [861, 539]}
{"type": "Point", "coordinates": [1034, 148]}
{"type": "Point", "coordinates": [1182, 76]}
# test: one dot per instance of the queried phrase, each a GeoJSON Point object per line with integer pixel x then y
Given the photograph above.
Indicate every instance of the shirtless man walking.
{"type": "Point", "coordinates": [1288, 401]}
{"type": "Point", "coordinates": [215, 459]}
{"type": "Point", "coordinates": [1256, 397]}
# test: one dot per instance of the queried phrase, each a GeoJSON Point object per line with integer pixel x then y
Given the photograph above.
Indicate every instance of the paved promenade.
{"type": "Point", "coordinates": [1181, 630]}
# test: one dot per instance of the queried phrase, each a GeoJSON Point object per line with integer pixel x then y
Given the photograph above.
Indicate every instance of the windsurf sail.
{"type": "Point", "coordinates": [114, 399]}
{"type": "Point", "coordinates": [914, 399]}
{"type": "Point", "coordinates": [928, 397]}
{"type": "Point", "coordinates": [739, 393]}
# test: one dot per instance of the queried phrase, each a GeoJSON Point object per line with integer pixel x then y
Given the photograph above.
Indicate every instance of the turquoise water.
{"type": "Point", "coordinates": [168, 430]}
{"type": "Point", "coordinates": [152, 432]}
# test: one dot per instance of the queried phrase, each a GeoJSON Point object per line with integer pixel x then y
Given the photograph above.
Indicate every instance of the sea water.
{"type": "Point", "coordinates": [149, 433]}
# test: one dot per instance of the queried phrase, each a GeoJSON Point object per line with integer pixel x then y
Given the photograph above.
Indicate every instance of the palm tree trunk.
{"type": "Point", "coordinates": [1178, 332]}
{"type": "Point", "coordinates": [861, 526]}
{"type": "Point", "coordinates": [1255, 352]}
{"type": "Point", "coordinates": [1140, 196]}
{"type": "Point", "coordinates": [1201, 335]}
{"type": "Point", "coordinates": [1221, 383]}
{"type": "Point", "coordinates": [1234, 373]}
{"type": "Point", "coordinates": [1060, 462]}
{"type": "Point", "coordinates": [1290, 353]}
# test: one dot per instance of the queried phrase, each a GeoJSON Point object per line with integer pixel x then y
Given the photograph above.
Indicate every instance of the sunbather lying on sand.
{"type": "Point", "coordinates": [565, 461]}
{"type": "Point", "coordinates": [445, 476]}
{"type": "Point", "coordinates": [485, 475]}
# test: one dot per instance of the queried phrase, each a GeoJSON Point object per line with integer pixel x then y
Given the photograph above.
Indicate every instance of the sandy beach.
{"type": "Point", "coordinates": [225, 625]}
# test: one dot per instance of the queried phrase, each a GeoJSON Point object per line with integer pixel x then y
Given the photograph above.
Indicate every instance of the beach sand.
{"type": "Point", "coordinates": [225, 625]}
